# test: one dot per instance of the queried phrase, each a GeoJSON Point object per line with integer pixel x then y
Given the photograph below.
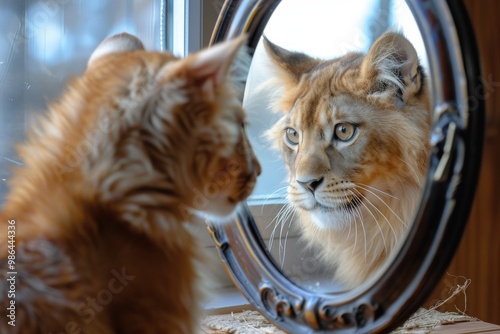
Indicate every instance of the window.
{"type": "Point", "coordinates": [46, 42]}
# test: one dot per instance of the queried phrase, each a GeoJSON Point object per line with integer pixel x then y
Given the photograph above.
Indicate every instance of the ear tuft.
{"type": "Point", "coordinates": [122, 42]}
{"type": "Point", "coordinates": [292, 64]}
{"type": "Point", "coordinates": [392, 65]}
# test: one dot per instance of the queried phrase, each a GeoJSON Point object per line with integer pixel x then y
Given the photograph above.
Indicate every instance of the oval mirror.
{"type": "Point", "coordinates": [355, 162]}
{"type": "Point", "coordinates": [364, 119]}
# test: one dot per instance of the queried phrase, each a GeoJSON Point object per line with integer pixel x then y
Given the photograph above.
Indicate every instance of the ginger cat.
{"type": "Point", "coordinates": [96, 217]}
{"type": "Point", "coordinates": [354, 137]}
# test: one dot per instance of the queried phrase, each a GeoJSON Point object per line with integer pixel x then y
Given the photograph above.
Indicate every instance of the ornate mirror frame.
{"type": "Point", "coordinates": [385, 302]}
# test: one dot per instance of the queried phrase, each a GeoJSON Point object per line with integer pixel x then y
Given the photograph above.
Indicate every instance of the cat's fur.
{"type": "Point", "coordinates": [134, 146]}
{"type": "Point", "coordinates": [357, 197]}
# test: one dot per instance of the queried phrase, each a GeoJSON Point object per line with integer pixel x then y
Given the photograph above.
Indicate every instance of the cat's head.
{"type": "Point", "coordinates": [353, 129]}
{"type": "Point", "coordinates": [175, 126]}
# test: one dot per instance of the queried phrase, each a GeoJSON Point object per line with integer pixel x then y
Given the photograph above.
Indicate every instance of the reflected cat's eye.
{"type": "Point", "coordinates": [292, 136]}
{"type": "Point", "coordinates": [344, 132]}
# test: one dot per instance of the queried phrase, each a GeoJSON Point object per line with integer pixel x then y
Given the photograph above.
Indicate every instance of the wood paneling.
{"type": "Point", "coordinates": [478, 257]}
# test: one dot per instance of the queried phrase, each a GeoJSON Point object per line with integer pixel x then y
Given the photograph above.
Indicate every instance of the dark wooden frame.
{"type": "Point", "coordinates": [385, 302]}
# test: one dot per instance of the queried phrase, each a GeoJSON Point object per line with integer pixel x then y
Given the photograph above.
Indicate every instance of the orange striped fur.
{"type": "Point", "coordinates": [135, 146]}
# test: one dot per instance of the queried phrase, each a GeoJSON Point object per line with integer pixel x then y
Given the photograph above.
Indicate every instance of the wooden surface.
{"type": "Point", "coordinates": [475, 327]}
{"type": "Point", "coordinates": [251, 322]}
{"type": "Point", "coordinates": [478, 257]}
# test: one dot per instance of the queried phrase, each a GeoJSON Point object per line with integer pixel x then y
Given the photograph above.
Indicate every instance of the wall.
{"type": "Point", "coordinates": [478, 257]}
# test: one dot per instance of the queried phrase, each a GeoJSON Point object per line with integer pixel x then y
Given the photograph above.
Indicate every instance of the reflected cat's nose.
{"type": "Point", "coordinates": [312, 184]}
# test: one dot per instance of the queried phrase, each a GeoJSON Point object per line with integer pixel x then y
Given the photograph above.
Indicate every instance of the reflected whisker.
{"type": "Point", "coordinates": [285, 217]}
{"type": "Point", "coordinates": [361, 220]}
{"type": "Point", "coordinates": [367, 188]}
{"type": "Point", "coordinates": [273, 233]}
{"type": "Point", "coordinates": [376, 220]}
{"type": "Point", "coordinates": [277, 191]}
{"type": "Point", "coordinates": [282, 248]}
{"type": "Point", "coordinates": [286, 238]}
{"type": "Point", "coordinates": [279, 214]}
{"type": "Point", "coordinates": [388, 206]}
{"type": "Point", "coordinates": [280, 219]}
{"type": "Point", "coordinates": [417, 178]}
{"type": "Point", "coordinates": [350, 225]}
{"type": "Point", "coordinates": [355, 210]}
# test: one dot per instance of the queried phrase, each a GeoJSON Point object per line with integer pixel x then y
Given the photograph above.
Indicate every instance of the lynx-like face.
{"type": "Point", "coordinates": [336, 151]}
{"type": "Point", "coordinates": [354, 137]}
{"type": "Point", "coordinates": [346, 132]}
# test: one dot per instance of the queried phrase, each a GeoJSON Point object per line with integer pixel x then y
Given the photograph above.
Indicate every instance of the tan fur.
{"type": "Point", "coordinates": [135, 146]}
{"type": "Point", "coordinates": [381, 170]}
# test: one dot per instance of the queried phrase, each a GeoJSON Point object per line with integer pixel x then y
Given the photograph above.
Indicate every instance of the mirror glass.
{"type": "Point", "coordinates": [339, 117]}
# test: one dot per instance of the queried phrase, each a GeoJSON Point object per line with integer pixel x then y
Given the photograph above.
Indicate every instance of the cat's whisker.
{"type": "Point", "coordinates": [287, 214]}
{"type": "Point", "coordinates": [278, 191]}
{"type": "Point", "coordinates": [364, 237]}
{"type": "Point", "coordinates": [384, 216]}
{"type": "Point", "coordinates": [352, 217]}
{"type": "Point", "coordinates": [284, 250]}
{"type": "Point", "coordinates": [282, 244]}
{"type": "Point", "coordinates": [280, 220]}
{"type": "Point", "coordinates": [418, 179]}
{"type": "Point", "coordinates": [354, 223]}
{"type": "Point", "coordinates": [282, 225]}
{"type": "Point", "coordinates": [355, 239]}
{"type": "Point", "coordinates": [273, 233]}
{"type": "Point", "coordinates": [361, 220]}
{"type": "Point", "coordinates": [286, 237]}
{"type": "Point", "coordinates": [374, 218]}
{"type": "Point", "coordinates": [344, 222]}
{"type": "Point", "coordinates": [279, 214]}
{"type": "Point", "coordinates": [388, 207]}
{"type": "Point", "coordinates": [352, 220]}
{"type": "Point", "coordinates": [350, 214]}
{"type": "Point", "coordinates": [367, 187]}
{"type": "Point", "coordinates": [293, 217]}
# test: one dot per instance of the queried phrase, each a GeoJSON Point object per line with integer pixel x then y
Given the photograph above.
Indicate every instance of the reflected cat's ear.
{"type": "Point", "coordinates": [292, 65]}
{"type": "Point", "coordinates": [392, 66]}
{"type": "Point", "coordinates": [116, 43]}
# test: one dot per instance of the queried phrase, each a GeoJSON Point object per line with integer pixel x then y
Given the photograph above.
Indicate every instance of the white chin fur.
{"type": "Point", "coordinates": [326, 220]}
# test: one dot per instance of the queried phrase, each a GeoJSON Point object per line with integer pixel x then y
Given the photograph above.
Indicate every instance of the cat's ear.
{"type": "Point", "coordinates": [291, 64]}
{"type": "Point", "coordinates": [213, 65]}
{"type": "Point", "coordinates": [392, 66]}
{"type": "Point", "coordinates": [116, 43]}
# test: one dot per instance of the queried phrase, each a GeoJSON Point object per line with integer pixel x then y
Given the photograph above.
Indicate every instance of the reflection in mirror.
{"type": "Point", "coordinates": [339, 115]}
